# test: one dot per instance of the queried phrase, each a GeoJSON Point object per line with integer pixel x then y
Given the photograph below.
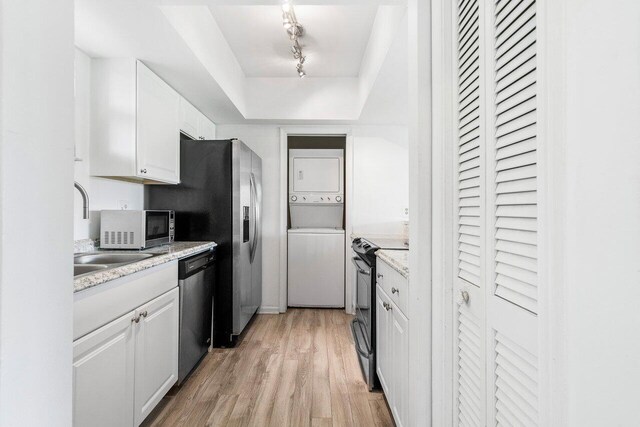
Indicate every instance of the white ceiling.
{"type": "Point", "coordinates": [334, 41]}
{"type": "Point", "coordinates": [231, 59]}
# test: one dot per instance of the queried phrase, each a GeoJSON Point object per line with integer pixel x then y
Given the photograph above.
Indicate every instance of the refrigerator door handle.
{"type": "Point", "coordinates": [254, 203]}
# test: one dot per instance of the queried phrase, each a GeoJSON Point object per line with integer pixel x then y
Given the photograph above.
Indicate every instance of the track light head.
{"type": "Point", "coordinates": [294, 30]}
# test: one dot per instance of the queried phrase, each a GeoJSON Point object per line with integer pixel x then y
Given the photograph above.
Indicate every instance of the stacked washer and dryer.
{"type": "Point", "coordinates": [316, 242]}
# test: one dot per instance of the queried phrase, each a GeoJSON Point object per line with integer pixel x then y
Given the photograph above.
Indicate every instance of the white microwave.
{"type": "Point", "coordinates": [136, 229]}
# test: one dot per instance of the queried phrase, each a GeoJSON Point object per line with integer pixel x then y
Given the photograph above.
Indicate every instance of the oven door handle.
{"type": "Point", "coordinates": [362, 352]}
{"type": "Point", "coordinates": [360, 270]}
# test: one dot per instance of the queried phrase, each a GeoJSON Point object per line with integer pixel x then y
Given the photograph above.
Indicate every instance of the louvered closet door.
{"type": "Point", "coordinates": [469, 285]}
{"type": "Point", "coordinates": [512, 303]}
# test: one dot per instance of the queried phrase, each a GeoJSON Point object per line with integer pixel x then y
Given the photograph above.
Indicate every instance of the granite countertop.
{"type": "Point", "coordinates": [166, 253]}
{"type": "Point", "coordinates": [397, 259]}
{"type": "Point", "coordinates": [356, 235]}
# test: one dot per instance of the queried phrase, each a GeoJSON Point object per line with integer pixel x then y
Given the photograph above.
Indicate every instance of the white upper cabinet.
{"type": "Point", "coordinates": [206, 128]}
{"type": "Point", "coordinates": [158, 140]}
{"type": "Point", "coordinates": [195, 124]}
{"type": "Point", "coordinates": [189, 118]}
{"type": "Point", "coordinates": [134, 123]}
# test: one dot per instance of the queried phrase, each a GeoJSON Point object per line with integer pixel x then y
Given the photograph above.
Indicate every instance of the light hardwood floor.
{"type": "Point", "coordinates": [293, 369]}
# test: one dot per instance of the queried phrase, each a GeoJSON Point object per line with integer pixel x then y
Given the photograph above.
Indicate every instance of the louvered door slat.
{"type": "Point", "coordinates": [515, 382]}
{"type": "Point", "coordinates": [511, 223]}
{"type": "Point", "coordinates": [522, 172]}
{"type": "Point", "coordinates": [470, 385]}
{"type": "Point", "coordinates": [517, 248]}
{"type": "Point", "coordinates": [517, 19]}
{"type": "Point", "coordinates": [469, 190]}
{"type": "Point", "coordinates": [516, 153]}
{"type": "Point", "coordinates": [517, 99]}
{"type": "Point", "coordinates": [470, 359]}
{"type": "Point", "coordinates": [517, 148]}
{"type": "Point", "coordinates": [469, 220]}
{"type": "Point", "coordinates": [469, 141]}
{"type": "Point", "coordinates": [522, 134]}
{"type": "Point", "coordinates": [525, 159]}
{"type": "Point", "coordinates": [464, 9]}
{"type": "Point", "coordinates": [517, 211]}
{"type": "Point", "coordinates": [516, 186]}
{"type": "Point", "coordinates": [519, 109]}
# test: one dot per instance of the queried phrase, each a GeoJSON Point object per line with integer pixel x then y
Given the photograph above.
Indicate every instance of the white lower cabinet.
{"type": "Point", "coordinates": [400, 369]}
{"type": "Point", "coordinates": [103, 375]}
{"type": "Point", "coordinates": [382, 334]}
{"type": "Point", "coordinates": [392, 342]}
{"type": "Point", "coordinates": [156, 367]}
{"type": "Point", "coordinates": [123, 369]}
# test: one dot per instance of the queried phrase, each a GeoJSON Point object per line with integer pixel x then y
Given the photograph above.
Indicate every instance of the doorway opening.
{"type": "Point", "coordinates": [315, 221]}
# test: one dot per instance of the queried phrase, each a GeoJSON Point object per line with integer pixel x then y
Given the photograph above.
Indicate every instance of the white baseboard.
{"type": "Point", "coordinates": [269, 310]}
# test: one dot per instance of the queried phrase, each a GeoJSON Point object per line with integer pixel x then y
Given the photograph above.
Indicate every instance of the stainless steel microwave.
{"type": "Point", "coordinates": [136, 229]}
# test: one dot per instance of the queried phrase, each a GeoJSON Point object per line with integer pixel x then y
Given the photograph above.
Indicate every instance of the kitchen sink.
{"type": "Point", "coordinates": [110, 258]}
{"type": "Point", "coordinates": [84, 269]}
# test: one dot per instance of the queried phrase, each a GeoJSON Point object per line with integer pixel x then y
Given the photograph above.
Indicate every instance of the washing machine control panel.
{"type": "Point", "coordinates": [315, 198]}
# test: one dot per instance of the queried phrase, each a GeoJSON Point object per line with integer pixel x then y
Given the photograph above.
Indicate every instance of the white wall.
{"type": "Point", "coordinates": [380, 179]}
{"type": "Point", "coordinates": [36, 187]}
{"type": "Point", "coordinates": [103, 193]}
{"type": "Point", "coordinates": [601, 166]}
{"type": "Point", "coordinates": [385, 147]}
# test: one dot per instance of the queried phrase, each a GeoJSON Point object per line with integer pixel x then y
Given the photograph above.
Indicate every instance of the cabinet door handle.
{"type": "Point", "coordinates": [395, 291]}
{"type": "Point", "coordinates": [135, 319]}
{"type": "Point", "coordinates": [387, 306]}
{"type": "Point", "coordinates": [144, 313]}
{"type": "Point", "coordinates": [143, 171]}
{"type": "Point", "coordinates": [380, 276]}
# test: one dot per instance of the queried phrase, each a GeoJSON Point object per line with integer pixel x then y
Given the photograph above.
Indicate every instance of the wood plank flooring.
{"type": "Point", "coordinates": [294, 369]}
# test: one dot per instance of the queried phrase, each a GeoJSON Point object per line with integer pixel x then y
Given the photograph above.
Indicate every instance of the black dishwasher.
{"type": "Point", "coordinates": [196, 279]}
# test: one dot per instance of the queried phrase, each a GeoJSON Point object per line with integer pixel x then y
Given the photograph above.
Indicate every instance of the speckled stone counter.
{"type": "Point", "coordinates": [165, 253]}
{"type": "Point", "coordinates": [376, 236]}
{"type": "Point", "coordinates": [398, 260]}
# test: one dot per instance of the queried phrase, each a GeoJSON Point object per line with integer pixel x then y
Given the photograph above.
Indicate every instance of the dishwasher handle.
{"type": "Point", "coordinates": [189, 266]}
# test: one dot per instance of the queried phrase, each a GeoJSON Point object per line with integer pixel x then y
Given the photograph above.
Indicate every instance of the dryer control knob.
{"type": "Point", "coordinates": [338, 199]}
{"type": "Point", "coordinates": [294, 198]}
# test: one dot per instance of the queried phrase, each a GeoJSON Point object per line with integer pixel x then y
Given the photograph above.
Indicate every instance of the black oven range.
{"type": "Point", "coordinates": [363, 326]}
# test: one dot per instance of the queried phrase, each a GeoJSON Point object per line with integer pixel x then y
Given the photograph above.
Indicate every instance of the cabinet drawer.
{"type": "Point", "coordinates": [394, 284]}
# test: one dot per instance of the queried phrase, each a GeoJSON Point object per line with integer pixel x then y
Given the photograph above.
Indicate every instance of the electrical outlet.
{"type": "Point", "coordinates": [123, 205]}
{"type": "Point", "coordinates": [406, 211]}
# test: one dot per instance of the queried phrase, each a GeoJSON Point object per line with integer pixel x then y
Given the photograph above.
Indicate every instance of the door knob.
{"type": "Point", "coordinates": [465, 297]}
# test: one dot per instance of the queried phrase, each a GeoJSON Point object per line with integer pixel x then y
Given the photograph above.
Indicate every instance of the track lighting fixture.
{"type": "Point", "coordinates": [295, 31]}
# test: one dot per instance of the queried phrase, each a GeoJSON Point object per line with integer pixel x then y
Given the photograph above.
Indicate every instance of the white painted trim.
{"type": "Point", "coordinates": [272, 309]}
{"type": "Point", "coordinates": [553, 364]}
{"type": "Point", "coordinates": [283, 220]}
{"type": "Point", "coordinates": [420, 206]}
{"type": "Point", "coordinates": [285, 131]}
{"type": "Point", "coordinates": [443, 214]}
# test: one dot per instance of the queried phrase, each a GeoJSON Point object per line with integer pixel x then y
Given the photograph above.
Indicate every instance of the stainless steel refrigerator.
{"type": "Point", "coordinates": [219, 198]}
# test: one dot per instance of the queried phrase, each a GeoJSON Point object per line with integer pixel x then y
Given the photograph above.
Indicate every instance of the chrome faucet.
{"type": "Point", "coordinates": [85, 199]}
